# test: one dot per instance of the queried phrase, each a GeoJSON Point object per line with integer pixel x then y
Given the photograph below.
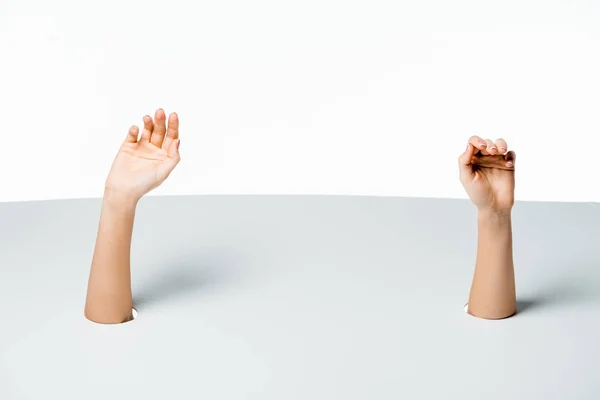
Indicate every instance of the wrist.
{"type": "Point", "coordinates": [119, 199]}
{"type": "Point", "coordinates": [494, 216]}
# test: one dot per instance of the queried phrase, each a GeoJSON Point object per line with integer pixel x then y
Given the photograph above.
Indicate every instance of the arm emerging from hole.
{"type": "Point", "coordinates": [142, 164]}
{"type": "Point", "coordinates": [487, 171]}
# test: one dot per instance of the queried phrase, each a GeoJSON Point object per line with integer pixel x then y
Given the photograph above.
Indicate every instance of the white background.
{"type": "Point", "coordinates": [315, 97]}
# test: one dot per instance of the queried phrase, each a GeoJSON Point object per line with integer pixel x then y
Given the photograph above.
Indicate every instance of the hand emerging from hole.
{"type": "Point", "coordinates": [487, 172]}
{"type": "Point", "coordinates": [142, 165]}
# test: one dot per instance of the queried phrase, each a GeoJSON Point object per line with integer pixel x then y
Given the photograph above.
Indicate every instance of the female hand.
{"type": "Point", "coordinates": [142, 165]}
{"type": "Point", "coordinates": [487, 172]}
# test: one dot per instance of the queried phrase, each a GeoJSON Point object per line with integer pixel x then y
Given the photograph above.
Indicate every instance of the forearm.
{"type": "Point", "coordinates": [493, 293]}
{"type": "Point", "coordinates": [109, 297]}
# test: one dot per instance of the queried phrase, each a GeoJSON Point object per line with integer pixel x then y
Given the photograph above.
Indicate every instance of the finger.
{"type": "Point", "coordinates": [464, 161]}
{"type": "Point", "coordinates": [490, 148]}
{"type": "Point", "coordinates": [158, 135]}
{"type": "Point", "coordinates": [502, 146]}
{"type": "Point", "coordinates": [132, 136]}
{"type": "Point", "coordinates": [478, 143]}
{"type": "Point", "coordinates": [511, 159]}
{"type": "Point", "coordinates": [497, 161]}
{"type": "Point", "coordinates": [172, 130]}
{"type": "Point", "coordinates": [148, 128]}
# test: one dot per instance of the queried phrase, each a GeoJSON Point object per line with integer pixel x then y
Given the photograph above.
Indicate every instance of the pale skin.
{"type": "Point", "coordinates": [487, 172]}
{"type": "Point", "coordinates": [141, 165]}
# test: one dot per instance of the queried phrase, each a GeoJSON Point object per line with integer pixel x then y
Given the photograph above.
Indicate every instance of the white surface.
{"type": "Point", "coordinates": [318, 96]}
{"type": "Point", "coordinates": [274, 298]}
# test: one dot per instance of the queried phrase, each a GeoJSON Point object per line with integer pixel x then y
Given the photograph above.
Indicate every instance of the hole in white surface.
{"type": "Point", "coordinates": [134, 315]}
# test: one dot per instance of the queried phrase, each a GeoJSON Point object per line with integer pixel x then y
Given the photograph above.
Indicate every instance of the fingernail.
{"type": "Point", "coordinates": [493, 148]}
{"type": "Point", "coordinates": [510, 163]}
{"type": "Point", "coordinates": [482, 143]}
{"type": "Point", "coordinates": [178, 142]}
{"type": "Point", "coordinates": [503, 148]}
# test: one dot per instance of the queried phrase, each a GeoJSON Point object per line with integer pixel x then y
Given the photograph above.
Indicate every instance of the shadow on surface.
{"type": "Point", "coordinates": [180, 279]}
{"type": "Point", "coordinates": [560, 293]}
{"type": "Point", "coordinates": [526, 305]}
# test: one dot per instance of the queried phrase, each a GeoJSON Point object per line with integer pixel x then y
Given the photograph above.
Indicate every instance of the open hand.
{"type": "Point", "coordinates": [487, 172]}
{"type": "Point", "coordinates": [143, 164]}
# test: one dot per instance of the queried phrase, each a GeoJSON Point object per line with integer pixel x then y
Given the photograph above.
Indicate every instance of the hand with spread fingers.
{"type": "Point", "coordinates": [487, 172]}
{"type": "Point", "coordinates": [143, 164]}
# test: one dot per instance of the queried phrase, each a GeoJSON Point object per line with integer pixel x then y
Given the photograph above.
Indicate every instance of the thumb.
{"type": "Point", "coordinates": [174, 150]}
{"type": "Point", "coordinates": [174, 158]}
{"type": "Point", "coordinates": [510, 158]}
{"type": "Point", "coordinates": [464, 162]}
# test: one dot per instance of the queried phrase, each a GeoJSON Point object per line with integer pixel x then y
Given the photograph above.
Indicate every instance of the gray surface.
{"type": "Point", "coordinates": [301, 297]}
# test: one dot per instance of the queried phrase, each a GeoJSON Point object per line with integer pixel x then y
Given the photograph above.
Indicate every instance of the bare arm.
{"type": "Point", "coordinates": [493, 293]}
{"type": "Point", "coordinates": [109, 287]}
{"type": "Point", "coordinates": [487, 173]}
{"type": "Point", "coordinates": [141, 165]}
